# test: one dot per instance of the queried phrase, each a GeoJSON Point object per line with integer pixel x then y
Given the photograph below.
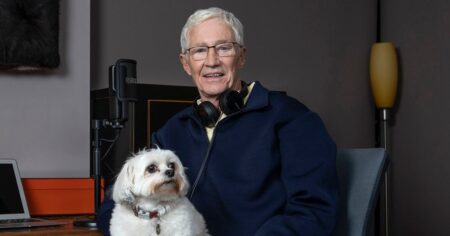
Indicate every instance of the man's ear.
{"type": "Point", "coordinates": [242, 57]}
{"type": "Point", "coordinates": [185, 63]}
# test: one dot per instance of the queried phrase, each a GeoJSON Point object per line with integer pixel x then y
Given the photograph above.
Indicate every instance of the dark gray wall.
{"type": "Point", "coordinates": [421, 133]}
{"type": "Point", "coordinates": [316, 51]}
{"type": "Point", "coordinates": [44, 116]}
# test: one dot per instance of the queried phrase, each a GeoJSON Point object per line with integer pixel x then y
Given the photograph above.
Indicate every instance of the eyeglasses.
{"type": "Point", "coordinates": [222, 50]}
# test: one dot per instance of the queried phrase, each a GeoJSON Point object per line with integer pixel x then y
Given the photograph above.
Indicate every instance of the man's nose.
{"type": "Point", "coordinates": [212, 58]}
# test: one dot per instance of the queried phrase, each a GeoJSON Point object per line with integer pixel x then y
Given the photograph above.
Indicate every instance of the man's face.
{"type": "Point", "coordinates": [214, 74]}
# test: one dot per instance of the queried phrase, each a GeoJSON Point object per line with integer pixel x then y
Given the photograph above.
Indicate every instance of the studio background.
{"type": "Point", "coordinates": [316, 51]}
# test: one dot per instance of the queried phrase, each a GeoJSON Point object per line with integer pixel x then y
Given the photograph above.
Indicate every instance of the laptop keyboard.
{"type": "Point", "coordinates": [18, 221]}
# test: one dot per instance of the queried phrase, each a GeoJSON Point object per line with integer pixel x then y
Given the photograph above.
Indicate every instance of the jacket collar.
{"type": "Point", "coordinates": [258, 98]}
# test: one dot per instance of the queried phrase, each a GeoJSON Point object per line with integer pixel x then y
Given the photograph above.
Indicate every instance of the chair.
{"type": "Point", "coordinates": [360, 173]}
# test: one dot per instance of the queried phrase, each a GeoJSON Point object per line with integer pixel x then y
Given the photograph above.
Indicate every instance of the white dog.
{"type": "Point", "coordinates": [150, 195]}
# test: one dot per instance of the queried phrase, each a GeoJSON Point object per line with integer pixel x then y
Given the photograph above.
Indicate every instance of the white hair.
{"type": "Point", "coordinates": [202, 15]}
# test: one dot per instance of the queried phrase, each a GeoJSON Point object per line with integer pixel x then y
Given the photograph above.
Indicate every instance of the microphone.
{"type": "Point", "coordinates": [122, 89]}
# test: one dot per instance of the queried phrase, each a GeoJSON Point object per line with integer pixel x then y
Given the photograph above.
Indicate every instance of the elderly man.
{"type": "Point", "coordinates": [260, 162]}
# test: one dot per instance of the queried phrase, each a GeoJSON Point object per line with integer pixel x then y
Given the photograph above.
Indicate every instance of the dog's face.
{"type": "Point", "coordinates": [154, 173]}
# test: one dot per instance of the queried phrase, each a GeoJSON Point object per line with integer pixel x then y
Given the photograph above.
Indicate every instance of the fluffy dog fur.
{"type": "Point", "coordinates": [150, 195]}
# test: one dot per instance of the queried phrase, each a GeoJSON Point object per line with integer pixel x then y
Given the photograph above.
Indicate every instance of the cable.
{"type": "Point", "coordinates": [112, 141]}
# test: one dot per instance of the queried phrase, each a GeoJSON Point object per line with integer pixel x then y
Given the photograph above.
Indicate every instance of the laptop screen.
{"type": "Point", "coordinates": [9, 198]}
{"type": "Point", "coordinates": [12, 199]}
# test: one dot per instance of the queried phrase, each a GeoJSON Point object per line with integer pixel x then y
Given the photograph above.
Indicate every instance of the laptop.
{"type": "Point", "coordinates": [13, 204]}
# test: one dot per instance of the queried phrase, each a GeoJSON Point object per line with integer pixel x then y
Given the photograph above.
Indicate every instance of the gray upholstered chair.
{"type": "Point", "coordinates": [360, 173]}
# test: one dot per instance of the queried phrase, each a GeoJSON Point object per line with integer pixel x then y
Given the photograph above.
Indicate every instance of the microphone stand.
{"type": "Point", "coordinates": [96, 150]}
{"type": "Point", "coordinates": [97, 124]}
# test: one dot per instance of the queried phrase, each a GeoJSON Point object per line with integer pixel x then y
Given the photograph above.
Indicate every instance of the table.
{"type": "Point", "coordinates": [67, 229]}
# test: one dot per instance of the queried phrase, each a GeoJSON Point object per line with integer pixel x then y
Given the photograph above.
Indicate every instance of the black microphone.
{"type": "Point", "coordinates": [122, 89]}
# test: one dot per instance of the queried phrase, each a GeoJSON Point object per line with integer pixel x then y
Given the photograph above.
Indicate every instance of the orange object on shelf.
{"type": "Point", "coordinates": [60, 196]}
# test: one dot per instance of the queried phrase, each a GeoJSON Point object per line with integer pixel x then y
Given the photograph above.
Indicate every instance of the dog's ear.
{"type": "Point", "coordinates": [123, 186]}
{"type": "Point", "coordinates": [181, 179]}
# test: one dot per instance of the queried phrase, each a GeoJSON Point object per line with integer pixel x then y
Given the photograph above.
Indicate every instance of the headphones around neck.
{"type": "Point", "coordinates": [230, 101]}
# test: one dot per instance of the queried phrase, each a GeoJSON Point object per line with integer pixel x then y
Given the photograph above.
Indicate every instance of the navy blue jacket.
{"type": "Point", "coordinates": [269, 169]}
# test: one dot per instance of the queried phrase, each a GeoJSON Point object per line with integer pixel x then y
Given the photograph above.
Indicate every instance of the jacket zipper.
{"type": "Point", "coordinates": [205, 160]}
{"type": "Point", "coordinates": [208, 152]}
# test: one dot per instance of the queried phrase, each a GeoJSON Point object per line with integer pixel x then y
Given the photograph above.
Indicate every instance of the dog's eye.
{"type": "Point", "coordinates": [172, 165]}
{"type": "Point", "coordinates": [152, 168]}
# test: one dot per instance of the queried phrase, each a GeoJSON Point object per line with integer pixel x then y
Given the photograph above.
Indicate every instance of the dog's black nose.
{"type": "Point", "coordinates": [170, 173]}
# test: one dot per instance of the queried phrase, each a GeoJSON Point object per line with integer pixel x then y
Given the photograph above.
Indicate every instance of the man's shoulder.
{"type": "Point", "coordinates": [282, 101]}
{"type": "Point", "coordinates": [172, 125]}
{"type": "Point", "coordinates": [180, 115]}
{"type": "Point", "coordinates": [178, 121]}
{"type": "Point", "coordinates": [277, 103]}
{"type": "Point", "coordinates": [185, 112]}
{"type": "Point", "coordinates": [277, 97]}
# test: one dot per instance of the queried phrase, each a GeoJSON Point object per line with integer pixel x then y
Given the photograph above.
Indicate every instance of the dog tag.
{"type": "Point", "coordinates": [158, 229]}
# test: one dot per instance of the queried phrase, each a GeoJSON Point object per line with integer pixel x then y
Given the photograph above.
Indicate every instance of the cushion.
{"type": "Point", "coordinates": [29, 33]}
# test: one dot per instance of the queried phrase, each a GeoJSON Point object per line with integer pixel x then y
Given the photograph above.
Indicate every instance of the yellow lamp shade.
{"type": "Point", "coordinates": [383, 74]}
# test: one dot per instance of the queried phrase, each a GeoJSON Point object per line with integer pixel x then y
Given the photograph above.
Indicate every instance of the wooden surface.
{"type": "Point", "coordinates": [67, 229]}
